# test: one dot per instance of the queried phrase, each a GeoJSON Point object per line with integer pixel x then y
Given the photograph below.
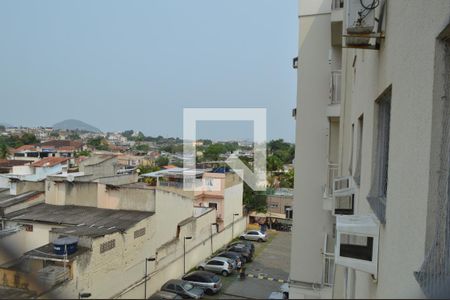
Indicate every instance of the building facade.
{"type": "Point", "coordinates": [372, 211]}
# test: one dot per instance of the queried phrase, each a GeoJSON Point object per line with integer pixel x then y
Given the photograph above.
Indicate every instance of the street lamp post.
{"type": "Point", "coordinates": [232, 226]}
{"type": "Point", "coordinates": [184, 253]}
{"type": "Point", "coordinates": [146, 274]}
{"type": "Point", "coordinates": [213, 224]}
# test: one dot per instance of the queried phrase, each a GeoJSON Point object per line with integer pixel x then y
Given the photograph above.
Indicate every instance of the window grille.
{"type": "Point", "coordinates": [378, 190]}
{"type": "Point", "coordinates": [434, 274]}
{"type": "Point", "coordinates": [106, 246]}
{"type": "Point", "coordinates": [139, 233]}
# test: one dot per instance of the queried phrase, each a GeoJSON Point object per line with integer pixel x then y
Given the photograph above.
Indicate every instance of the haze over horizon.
{"type": "Point", "coordinates": [136, 65]}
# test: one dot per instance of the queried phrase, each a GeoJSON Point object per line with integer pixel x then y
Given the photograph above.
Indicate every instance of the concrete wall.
{"type": "Point", "coordinates": [311, 222]}
{"type": "Point", "coordinates": [280, 203]}
{"type": "Point", "coordinates": [119, 273]}
{"type": "Point", "coordinates": [409, 66]}
{"type": "Point", "coordinates": [20, 187]}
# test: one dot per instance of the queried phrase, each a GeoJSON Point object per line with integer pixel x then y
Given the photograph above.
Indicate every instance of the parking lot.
{"type": "Point", "coordinates": [265, 274]}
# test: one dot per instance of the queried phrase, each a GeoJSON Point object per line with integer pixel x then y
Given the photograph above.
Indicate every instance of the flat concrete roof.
{"type": "Point", "coordinates": [81, 220]}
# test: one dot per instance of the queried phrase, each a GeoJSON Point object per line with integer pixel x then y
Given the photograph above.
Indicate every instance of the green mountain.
{"type": "Point", "coordinates": [72, 124]}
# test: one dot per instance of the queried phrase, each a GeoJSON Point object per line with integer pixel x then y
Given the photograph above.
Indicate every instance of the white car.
{"type": "Point", "coordinates": [254, 235]}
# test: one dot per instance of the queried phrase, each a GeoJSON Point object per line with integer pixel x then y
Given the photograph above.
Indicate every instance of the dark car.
{"type": "Point", "coordinates": [241, 249]}
{"type": "Point", "coordinates": [165, 295]}
{"type": "Point", "coordinates": [237, 257]}
{"type": "Point", "coordinates": [183, 288]}
{"type": "Point", "coordinates": [247, 244]}
{"type": "Point", "coordinates": [208, 281]}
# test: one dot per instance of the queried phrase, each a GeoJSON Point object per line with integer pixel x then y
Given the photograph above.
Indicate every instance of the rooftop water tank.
{"type": "Point", "coordinates": [61, 244]}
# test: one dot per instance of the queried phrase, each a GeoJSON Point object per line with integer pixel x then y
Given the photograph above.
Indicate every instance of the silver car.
{"type": "Point", "coordinates": [254, 235]}
{"type": "Point", "coordinates": [210, 282]}
{"type": "Point", "coordinates": [219, 265]}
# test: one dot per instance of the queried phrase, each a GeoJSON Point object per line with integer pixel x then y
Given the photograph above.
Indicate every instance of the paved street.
{"type": "Point", "coordinates": [265, 274]}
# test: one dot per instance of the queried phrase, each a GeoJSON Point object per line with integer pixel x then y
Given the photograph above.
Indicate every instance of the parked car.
{"type": "Point", "coordinates": [254, 235]}
{"type": "Point", "coordinates": [208, 281]}
{"type": "Point", "coordinates": [219, 265]}
{"type": "Point", "coordinates": [237, 257]}
{"type": "Point", "coordinates": [183, 288]}
{"type": "Point", "coordinates": [242, 249]}
{"type": "Point", "coordinates": [165, 295]}
{"type": "Point", "coordinates": [247, 244]}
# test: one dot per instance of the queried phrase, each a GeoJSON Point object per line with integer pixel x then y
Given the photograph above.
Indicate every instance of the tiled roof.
{"type": "Point", "coordinates": [49, 161]}
{"type": "Point", "coordinates": [26, 148]}
{"type": "Point", "coordinates": [9, 163]}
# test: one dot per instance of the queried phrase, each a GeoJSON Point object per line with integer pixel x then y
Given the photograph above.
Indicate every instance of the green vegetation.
{"type": "Point", "coordinates": [74, 136]}
{"type": "Point", "coordinates": [287, 179]}
{"type": "Point", "coordinates": [83, 153]}
{"type": "Point", "coordinates": [15, 141]}
{"type": "Point", "coordinates": [4, 151]}
{"type": "Point", "coordinates": [162, 161]}
{"type": "Point", "coordinates": [142, 147]}
{"type": "Point", "coordinates": [98, 143]}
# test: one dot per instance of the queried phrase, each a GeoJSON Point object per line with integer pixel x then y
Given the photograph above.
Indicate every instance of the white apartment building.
{"type": "Point", "coordinates": [372, 154]}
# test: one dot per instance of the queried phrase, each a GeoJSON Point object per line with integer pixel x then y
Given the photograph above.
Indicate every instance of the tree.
{"type": "Point", "coordinates": [254, 201]}
{"type": "Point", "coordinates": [142, 147]}
{"type": "Point", "coordinates": [74, 136]}
{"type": "Point", "coordinates": [287, 179]}
{"type": "Point", "coordinates": [4, 151]}
{"type": "Point", "coordinates": [213, 151]}
{"type": "Point", "coordinates": [274, 163]}
{"type": "Point", "coordinates": [54, 134]}
{"type": "Point", "coordinates": [162, 161]}
{"type": "Point", "coordinates": [28, 139]}
{"type": "Point", "coordinates": [98, 143]}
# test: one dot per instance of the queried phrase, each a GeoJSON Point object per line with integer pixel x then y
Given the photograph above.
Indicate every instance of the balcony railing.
{"type": "Point", "coordinates": [332, 173]}
{"type": "Point", "coordinates": [335, 89]}
{"type": "Point", "coordinates": [328, 269]}
{"type": "Point", "coordinates": [337, 4]}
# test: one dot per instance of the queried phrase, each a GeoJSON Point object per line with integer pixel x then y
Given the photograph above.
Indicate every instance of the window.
{"type": "Point", "coordinates": [139, 233]}
{"type": "Point", "coordinates": [359, 141]}
{"type": "Point", "coordinates": [212, 205]}
{"type": "Point", "coordinates": [378, 190]}
{"type": "Point", "coordinates": [28, 227]}
{"type": "Point", "coordinates": [350, 166]}
{"type": "Point", "coordinates": [252, 233]}
{"type": "Point", "coordinates": [106, 246]}
{"type": "Point", "coordinates": [358, 247]}
{"type": "Point", "coordinates": [274, 205]}
{"type": "Point", "coordinates": [288, 212]}
{"type": "Point", "coordinates": [171, 286]}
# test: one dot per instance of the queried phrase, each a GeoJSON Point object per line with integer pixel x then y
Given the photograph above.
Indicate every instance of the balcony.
{"type": "Point", "coordinates": [334, 108]}
{"type": "Point", "coordinates": [332, 173]}
{"type": "Point", "coordinates": [328, 261]}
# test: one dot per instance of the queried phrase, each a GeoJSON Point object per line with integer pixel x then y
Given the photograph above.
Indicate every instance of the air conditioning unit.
{"type": "Point", "coordinates": [357, 239]}
{"type": "Point", "coordinates": [360, 20]}
{"type": "Point", "coordinates": [343, 196]}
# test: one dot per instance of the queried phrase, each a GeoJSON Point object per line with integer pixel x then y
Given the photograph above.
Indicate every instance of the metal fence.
{"type": "Point", "coordinates": [328, 269]}
{"type": "Point", "coordinates": [333, 170]}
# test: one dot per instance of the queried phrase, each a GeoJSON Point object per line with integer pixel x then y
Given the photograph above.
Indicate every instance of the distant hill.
{"type": "Point", "coordinates": [5, 124]}
{"type": "Point", "coordinates": [73, 124]}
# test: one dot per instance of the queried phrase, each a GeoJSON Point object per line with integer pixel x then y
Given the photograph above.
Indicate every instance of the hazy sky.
{"type": "Point", "coordinates": [136, 64]}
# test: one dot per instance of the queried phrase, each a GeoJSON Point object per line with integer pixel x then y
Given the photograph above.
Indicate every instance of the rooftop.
{"type": "Point", "coordinates": [83, 220]}
{"type": "Point", "coordinates": [9, 163]}
{"type": "Point", "coordinates": [49, 161]}
{"type": "Point", "coordinates": [46, 252]}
